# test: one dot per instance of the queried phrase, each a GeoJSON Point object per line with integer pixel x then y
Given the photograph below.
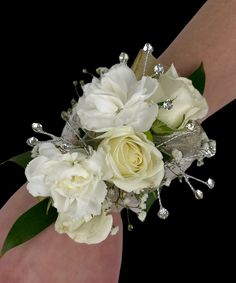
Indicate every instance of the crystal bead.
{"type": "Point", "coordinates": [198, 194]}
{"type": "Point", "coordinates": [130, 227]}
{"type": "Point", "coordinates": [32, 141]}
{"type": "Point", "coordinates": [210, 183]}
{"type": "Point", "coordinates": [38, 128]}
{"type": "Point", "coordinates": [159, 69]}
{"type": "Point", "coordinates": [168, 104]}
{"type": "Point", "coordinates": [163, 213]}
{"type": "Point", "coordinates": [124, 57]}
{"type": "Point", "coordinates": [148, 48]}
{"type": "Point", "coordinates": [190, 126]}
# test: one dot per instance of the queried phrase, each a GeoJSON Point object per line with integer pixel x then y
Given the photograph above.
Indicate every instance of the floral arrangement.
{"type": "Point", "coordinates": [132, 131]}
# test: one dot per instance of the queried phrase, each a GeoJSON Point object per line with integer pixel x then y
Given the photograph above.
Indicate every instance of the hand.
{"type": "Point", "coordinates": [51, 257]}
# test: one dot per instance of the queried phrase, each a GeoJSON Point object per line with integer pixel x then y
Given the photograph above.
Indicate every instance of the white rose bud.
{"type": "Point", "coordinates": [188, 103]}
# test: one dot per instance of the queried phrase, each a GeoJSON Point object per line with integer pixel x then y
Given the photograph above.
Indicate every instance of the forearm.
{"type": "Point", "coordinates": [210, 37]}
{"type": "Point", "coordinates": [51, 257]}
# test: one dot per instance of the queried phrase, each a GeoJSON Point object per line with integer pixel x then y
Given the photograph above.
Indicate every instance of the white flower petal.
{"type": "Point", "coordinates": [37, 188]}
{"type": "Point", "coordinates": [136, 163]}
{"type": "Point", "coordinates": [118, 99]}
{"type": "Point", "coordinates": [92, 232]}
{"type": "Point", "coordinates": [188, 103]}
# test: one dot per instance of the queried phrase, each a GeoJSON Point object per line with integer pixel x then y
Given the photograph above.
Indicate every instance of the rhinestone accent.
{"type": "Point", "coordinates": [130, 227]}
{"type": "Point", "coordinates": [168, 104]}
{"type": "Point", "coordinates": [190, 126]}
{"type": "Point", "coordinates": [163, 213]}
{"type": "Point", "coordinates": [123, 58]}
{"type": "Point", "coordinates": [148, 48]}
{"type": "Point", "coordinates": [65, 147]}
{"type": "Point", "coordinates": [38, 128]}
{"type": "Point", "coordinates": [32, 141]}
{"type": "Point", "coordinates": [159, 69]}
{"type": "Point", "coordinates": [210, 183]}
{"type": "Point", "coordinates": [198, 194]}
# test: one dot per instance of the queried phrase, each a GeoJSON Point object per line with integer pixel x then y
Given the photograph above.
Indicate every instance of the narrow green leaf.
{"type": "Point", "coordinates": [29, 224]}
{"type": "Point", "coordinates": [198, 78]}
{"type": "Point", "coordinates": [152, 197]}
{"type": "Point", "coordinates": [160, 128]}
{"type": "Point", "coordinates": [20, 159]}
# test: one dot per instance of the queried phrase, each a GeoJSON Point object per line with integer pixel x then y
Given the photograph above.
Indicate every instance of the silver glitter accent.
{"type": "Point", "coordinates": [65, 147]}
{"type": "Point", "coordinates": [198, 194]}
{"type": "Point", "coordinates": [159, 69]}
{"type": "Point", "coordinates": [148, 48]}
{"type": "Point", "coordinates": [168, 104]}
{"type": "Point", "coordinates": [200, 162]}
{"type": "Point", "coordinates": [32, 141]}
{"type": "Point", "coordinates": [212, 147]}
{"type": "Point", "coordinates": [211, 183]}
{"type": "Point", "coordinates": [190, 125]}
{"type": "Point", "coordinates": [37, 127]}
{"type": "Point", "coordinates": [208, 148]}
{"type": "Point", "coordinates": [163, 213]}
{"type": "Point", "coordinates": [124, 57]}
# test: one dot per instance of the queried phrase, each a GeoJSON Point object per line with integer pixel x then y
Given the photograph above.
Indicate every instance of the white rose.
{"type": "Point", "coordinates": [92, 232]}
{"type": "Point", "coordinates": [73, 180]}
{"type": "Point", "coordinates": [135, 162]}
{"type": "Point", "coordinates": [188, 103]}
{"type": "Point", "coordinates": [118, 99]}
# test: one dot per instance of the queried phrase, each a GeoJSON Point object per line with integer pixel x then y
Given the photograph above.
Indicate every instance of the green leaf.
{"type": "Point", "coordinates": [198, 78]}
{"type": "Point", "coordinates": [21, 159]}
{"type": "Point", "coordinates": [149, 135]}
{"type": "Point", "coordinates": [160, 128]}
{"type": "Point", "coordinates": [152, 197]}
{"type": "Point", "coordinates": [29, 224]}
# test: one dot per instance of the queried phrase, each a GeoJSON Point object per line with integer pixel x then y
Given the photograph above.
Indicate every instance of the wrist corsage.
{"type": "Point", "coordinates": [131, 132]}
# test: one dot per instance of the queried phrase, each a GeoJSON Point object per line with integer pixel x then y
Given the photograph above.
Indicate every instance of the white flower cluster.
{"type": "Point", "coordinates": [86, 188]}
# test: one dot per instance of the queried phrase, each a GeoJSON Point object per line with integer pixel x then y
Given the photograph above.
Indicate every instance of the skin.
{"type": "Point", "coordinates": [210, 37]}
{"type": "Point", "coordinates": [49, 257]}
